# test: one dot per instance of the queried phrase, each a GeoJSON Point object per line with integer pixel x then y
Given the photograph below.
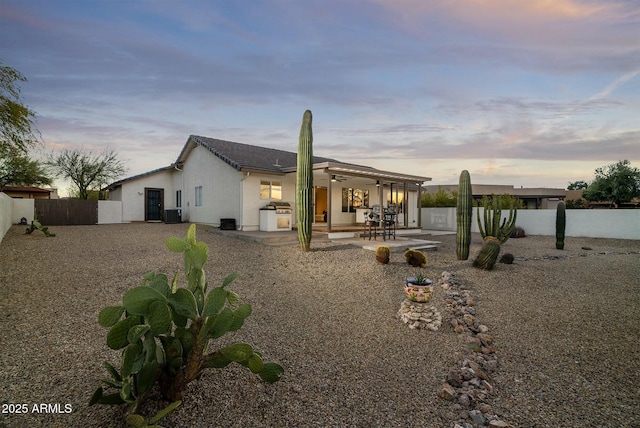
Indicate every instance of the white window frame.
{"type": "Point", "coordinates": [272, 184]}
{"type": "Point", "coordinates": [198, 198]}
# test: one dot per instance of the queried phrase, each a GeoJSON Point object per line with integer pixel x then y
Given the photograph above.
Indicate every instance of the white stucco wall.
{"type": "Point", "coordinates": [131, 194]}
{"type": "Point", "coordinates": [221, 188]}
{"type": "Point", "coordinates": [615, 224]}
{"type": "Point", "coordinates": [23, 208]}
{"type": "Point", "coordinates": [109, 212]}
{"type": "Point", "coordinates": [252, 203]}
{"type": "Point", "coordinates": [6, 212]}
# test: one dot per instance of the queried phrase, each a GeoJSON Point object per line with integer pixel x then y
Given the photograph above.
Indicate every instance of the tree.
{"type": "Point", "coordinates": [19, 170]}
{"type": "Point", "coordinates": [87, 171]}
{"type": "Point", "coordinates": [617, 183]}
{"type": "Point", "coordinates": [16, 119]}
{"type": "Point", "coordinates": [577, 185]}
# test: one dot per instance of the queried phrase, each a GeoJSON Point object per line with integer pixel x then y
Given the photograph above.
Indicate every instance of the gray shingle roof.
{"type": "Point", "coordinates": [245, 156]}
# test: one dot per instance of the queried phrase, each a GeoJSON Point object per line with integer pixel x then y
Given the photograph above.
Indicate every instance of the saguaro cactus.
{"type": "Point", "coordinates": [492, 226]}
{"type": "Point", "coordinates": [304, 182]}
{"type": "Point", "coordinates": [561, 221]}
{"type": "Point", "coordinates": [464, 211]}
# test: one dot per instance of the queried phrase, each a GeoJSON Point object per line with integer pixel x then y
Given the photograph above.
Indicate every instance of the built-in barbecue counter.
{"type": "Point", "coordinates": [275, 217]}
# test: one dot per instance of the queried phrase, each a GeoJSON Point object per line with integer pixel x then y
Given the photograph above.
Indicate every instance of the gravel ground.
{"type": "Point", "coordinates": [565, 323]}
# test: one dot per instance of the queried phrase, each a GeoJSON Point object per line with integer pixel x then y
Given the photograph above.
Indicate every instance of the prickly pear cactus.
{"type": "Point", "coordinates": [164, 331]}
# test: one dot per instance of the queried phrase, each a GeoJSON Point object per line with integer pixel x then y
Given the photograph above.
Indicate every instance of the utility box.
{"type": "Point", "coordinates": [172, 216]}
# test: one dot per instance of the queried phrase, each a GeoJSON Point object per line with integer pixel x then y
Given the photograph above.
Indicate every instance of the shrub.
{"type": "Point", "coordinates": [415, 258]}
{"type": "Point", "coordinates": [166, 330]}
{"type": "Point", "coordinates": [518, 232]}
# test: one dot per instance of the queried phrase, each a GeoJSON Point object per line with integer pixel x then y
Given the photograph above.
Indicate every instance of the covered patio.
{"type": "Point", "coordinates": [345, 193]}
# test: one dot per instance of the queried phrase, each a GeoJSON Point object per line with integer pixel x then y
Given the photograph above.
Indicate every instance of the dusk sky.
{"type": "Point", "coordinates": [534, 93]}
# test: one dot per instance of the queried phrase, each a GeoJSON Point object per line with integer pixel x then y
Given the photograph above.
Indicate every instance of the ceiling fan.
{"type": "Point", "coordinates": [337, 178]}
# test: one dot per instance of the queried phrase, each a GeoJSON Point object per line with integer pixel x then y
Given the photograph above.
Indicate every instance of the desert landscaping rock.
{"type": "Point", "coordinates": [553, 335]}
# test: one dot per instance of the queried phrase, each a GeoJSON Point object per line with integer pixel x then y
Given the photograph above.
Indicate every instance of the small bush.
{"type": "Point", "coordinates": [415, 258]}
{"type": "Point", "coordinates": [518, 232]}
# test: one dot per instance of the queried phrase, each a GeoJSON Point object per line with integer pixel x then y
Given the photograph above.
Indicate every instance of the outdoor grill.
{"type": "Point", "coordinates": [275, 216]}
{"type": "Point", "coordinates": [279, 207]}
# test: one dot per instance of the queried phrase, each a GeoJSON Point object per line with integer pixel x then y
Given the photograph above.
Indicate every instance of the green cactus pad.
{"type": "Point", "coordinates": [110, 315]}
{"type": "Point", "coordinates": [129, 357]}
{"type": "Point", "coordinates": [176, 244]}
{"type": "Point", "coordinates": [117, 336]}
{"type": "Point", "coordinates": [138, 299]}
{"type": "Point", "coordinates": [239, 316]}
{"type": "Point", "coordinates": [146, 377]}
{"type": "Point", "coordinates": [184, 303]}
{"type": "Point", "coordinates": [136, 332]}
{"type": "Point", "coordinates": [218, 325]}
{"type": "Point", "coordinates": [160, 283]}
{"type": "Point", "coordinates": [159, 318]}
{"type": "Point", "coordinates": [271, 372]}
{"type": "Point", "coordinates": [214, 302]}
{"type": "Point", "coordinates": [238, 352]}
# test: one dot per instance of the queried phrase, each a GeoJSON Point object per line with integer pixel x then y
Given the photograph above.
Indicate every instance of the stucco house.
{"type": "Point", "coordinates": [214, 180]}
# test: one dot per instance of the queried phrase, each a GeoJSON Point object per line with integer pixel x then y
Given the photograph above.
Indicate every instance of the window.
{"type": "Point", "coordinates": [354, 198]}
{"type": "Point", "coordinates": [270, 190]}
{"type": "Point", "coordinates": [199, 196]}
{"type": "Point", "coordinates": [178, 198]}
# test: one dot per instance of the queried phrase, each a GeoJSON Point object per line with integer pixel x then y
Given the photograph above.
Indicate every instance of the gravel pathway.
{"type": "Point", "coordinates": [565, 324]}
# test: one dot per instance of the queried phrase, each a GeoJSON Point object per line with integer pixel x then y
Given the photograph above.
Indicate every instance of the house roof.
{"type": "Point", "coordinates": [25, 189]}
{"type": "Point", "coordinates": [118, 183]}
{"type": "Point", "coordinates": [249, 158]}
{"type": "Point", "coordinates": [246, 157]}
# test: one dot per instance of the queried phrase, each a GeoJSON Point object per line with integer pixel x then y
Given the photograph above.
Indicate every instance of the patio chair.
{"type": "Point", "coordinates": [371, 222]}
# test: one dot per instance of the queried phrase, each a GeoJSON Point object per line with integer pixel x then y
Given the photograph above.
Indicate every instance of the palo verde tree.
{"type": "Point", "coordinates": [16, 120]}
{"type": "Point", "coordinates": [88, 171]}
{"type": "Point", "coordinates": [17, 135]}
{"type": "Point", "coordinates": [20, 170]}
{"type": "Point", "coordinates": [616, 183]}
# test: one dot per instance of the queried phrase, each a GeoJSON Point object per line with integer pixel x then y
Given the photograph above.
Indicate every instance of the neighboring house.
{"type": "Point", "coordinates": [531, 197]}
{"type": "Point", "coordinates": [30, 192]}
{"type": "Point", "coordinates": [215, 179]}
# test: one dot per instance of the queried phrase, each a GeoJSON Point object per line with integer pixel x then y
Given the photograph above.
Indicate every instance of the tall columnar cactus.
{"type": "Point", "coordinates": [304, 182]}
{"type": "Point", "coordinates": [492, 226]}
{"type": "Point", "coordinates": [488, 254]}
{"type": "Point", "coordinates": [561, 221]}
{"type": "Point", "coordinates": [464, 211]}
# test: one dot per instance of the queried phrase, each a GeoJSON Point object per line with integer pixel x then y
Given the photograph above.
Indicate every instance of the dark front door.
{"type": "Point", "coordinates": [154, 201]}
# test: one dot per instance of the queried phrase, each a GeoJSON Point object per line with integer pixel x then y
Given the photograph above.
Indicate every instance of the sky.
{"type": "Point", "coordinates": [535, 93]}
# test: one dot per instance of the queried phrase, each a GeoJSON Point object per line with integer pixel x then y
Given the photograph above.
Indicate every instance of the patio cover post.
{"type": "Point", "coordinates": [419, 205]}
{"type": "Point", "coordinates": [329, 202]}
{"type": "Point", "coordinates": [405, 199]}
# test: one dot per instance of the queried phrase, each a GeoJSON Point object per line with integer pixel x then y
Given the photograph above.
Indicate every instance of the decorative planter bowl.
{"type": "Point", "coordinates": [420, 293]}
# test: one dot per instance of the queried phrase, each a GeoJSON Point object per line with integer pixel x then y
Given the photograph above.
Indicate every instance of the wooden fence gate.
{"type": "Point", "coordinates": [66, 212]}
